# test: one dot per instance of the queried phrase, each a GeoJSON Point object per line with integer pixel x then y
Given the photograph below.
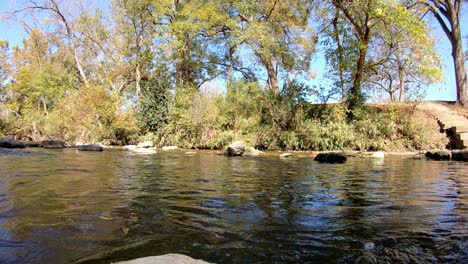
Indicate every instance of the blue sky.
{"type": "Point", "coordinates": [14, 33]}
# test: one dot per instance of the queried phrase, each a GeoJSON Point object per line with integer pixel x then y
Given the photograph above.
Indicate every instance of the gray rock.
{"type": "Point", "coordinates": [167, 148]}
{"type": "Point", "coordinates": [165, 259]}
{"type": "Point", "coordinates": [285, 155]}
{"type": "Point", "coordinates": [91, 147]}
{"type": "Point", "coordinates": [438, 155]}
{"type": "Point", "coordinates": [331, 157]}
{"type": "Point", "coordinates": [419, 156]}
{"type": "Point", "coordinates": [460, 155]}
{"type": "Point", "coordinates": [53, 144]}
{"type": "Point", "coordinates": [130, 147]}
{"type": "Point", "coordinates": [32, 144]}
{"type": "Point", "coordinates": [236, 148]}
{"type": "Point", "coordinates": [144, 150]}
{"type": "Point", "coordinates": [146, 144]}
{"type": "Point", "coordinates": [369, 246]}
{"type": "Point", "coordinates": [251, 151]}
{"type": "Point", "coordinates": [10, 143]}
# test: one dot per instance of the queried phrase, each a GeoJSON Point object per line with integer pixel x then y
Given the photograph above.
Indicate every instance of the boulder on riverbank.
{"type": "Point", "coordinates": [90, 147]}
{"type": "Point", "coordinates": [164, 259]}
{"type": "Point", "coordinates": [146, 144]}
{"type": "Point", "coordinates": [438, 155]}
{"type": "Point", "coordinates": [10, 143]}
{"type": "Point", "coordinates": [331, 157]}
{"type": "Point", "coordinates": [53, 144]}
{"type": "Point", "coordinates": [236, 148]}
{"type": "Point", "coordinates": [460, 155]}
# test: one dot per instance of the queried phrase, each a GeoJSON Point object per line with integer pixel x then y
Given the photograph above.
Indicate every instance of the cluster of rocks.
{"type": "Point", "coordinates": [148, 147]}
{"type": "Point", "coordinates": [238, 148]}
{"type": "Point", "coordinates": [459, 155]}
{"type": "Point", "coordinates": [48, 144]}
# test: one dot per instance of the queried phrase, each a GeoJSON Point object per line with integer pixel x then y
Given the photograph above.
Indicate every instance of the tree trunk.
{"type": "Point", "coordinates": [450, 11]}
{"type": "Point", "coordinates": [459, 64]}
{"type": "Point", "coordinates": [272, 77]}
{"type": "Point", "coordinates": [402, 77]}
{"type": "Point", "coordinates": [340, 57]}
{"type": "Point", "coordinates": [355, 96]}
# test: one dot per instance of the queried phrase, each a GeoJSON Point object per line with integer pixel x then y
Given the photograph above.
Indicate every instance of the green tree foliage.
{"type": "Point", "coordinates": [153, 104]}
{"type": "Point", "coordinates": [158, 66]}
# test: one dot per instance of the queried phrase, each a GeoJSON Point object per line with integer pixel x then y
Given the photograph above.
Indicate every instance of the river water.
{"type": "Point", "coordinates": [64, 206]}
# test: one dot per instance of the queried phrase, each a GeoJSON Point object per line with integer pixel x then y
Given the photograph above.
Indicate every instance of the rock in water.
{"type": "Point", "coordinates": [167, 148]}
{"type": "Point", "coordinates": [146, 144]}
{"type": "Point", "coordinates": [331, 157]}
{"type": "Point", "coordinates": [32, 144]}
{"type": "Point", "coordinates": [378, 155]}
{"type": "Point", "coordinates": [165, 259]}
{"type": "Point", "coordinates": [251, 151]}
{"type": "Point", "coordinates": [10, 143]}
{"type": "Point", "coordinates": [144, 150]}
{"type": "Point", "coordinates": [236, 148]}
{"type": "Point", "coordinates": [91, 147]}
{"type": "Point", "coordinates": [438, 155]}
{"type": "Point", "coordinates": [285, 155]}
{"type": "Point", "coordinates": [130, 147]}
{"type": "Point", "coordinates": [369, 246]}
{"type": "Point", "coordinates": [53, 144]}
{"type": "Point", "coordinates": [460, 155]}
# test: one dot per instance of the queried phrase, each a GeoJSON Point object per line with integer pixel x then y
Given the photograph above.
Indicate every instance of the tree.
{"type": "Point", "coordinates": [277, 33]}
{"type": "Point", "coordinates": [403, 55]}
{"type": "Point", "coordinates": [362, 16]}
{"type": "Point", "coordinates": [447, 13]}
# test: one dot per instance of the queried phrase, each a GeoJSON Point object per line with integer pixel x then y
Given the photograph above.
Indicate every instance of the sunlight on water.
{"type": "Point", "coordinates": [65, 206]}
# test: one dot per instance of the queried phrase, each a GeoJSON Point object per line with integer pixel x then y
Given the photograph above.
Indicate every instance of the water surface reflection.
{"type": "Point", "coordinates": [66, 206]}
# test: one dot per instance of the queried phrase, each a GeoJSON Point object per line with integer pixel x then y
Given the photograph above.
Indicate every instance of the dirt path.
{"type": "Point", "coordinates": [451, 119]}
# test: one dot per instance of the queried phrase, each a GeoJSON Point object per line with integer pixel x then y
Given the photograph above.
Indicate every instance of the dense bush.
{"type": "Point", "coordinates": [211, 120]}
{"type": "Point", "coordinates": [152, 104]}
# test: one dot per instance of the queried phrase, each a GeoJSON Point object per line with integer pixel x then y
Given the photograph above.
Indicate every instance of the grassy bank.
{"type": "Point", "coordinates": [189, 118]}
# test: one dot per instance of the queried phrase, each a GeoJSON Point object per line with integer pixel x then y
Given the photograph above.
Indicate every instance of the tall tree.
{"type": "Point", "coordinates": [277, 33]}
{"type": "Point", "coordinates": [447, 13]}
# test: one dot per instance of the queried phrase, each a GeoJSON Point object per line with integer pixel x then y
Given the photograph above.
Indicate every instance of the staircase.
{"type": "Point", "coordinates": [455, 125]}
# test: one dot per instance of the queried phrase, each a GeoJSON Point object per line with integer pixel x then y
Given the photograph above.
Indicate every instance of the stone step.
{"type": "Point", "coordinates": [464, 144]}
{"type": "Point", "coordinates": [463, 136]}
{"type": "Point", "coordinates": [461, 129]}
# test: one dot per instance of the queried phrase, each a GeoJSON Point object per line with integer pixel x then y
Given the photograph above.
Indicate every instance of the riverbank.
{"type": "Point", "coordinates": [305, 127]}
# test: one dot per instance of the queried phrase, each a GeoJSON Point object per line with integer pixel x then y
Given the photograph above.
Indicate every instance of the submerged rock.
{"type": "Point", "coordinates": [438, 155]}
{"type": "Point", "coordinates": [460, 155]}
{"type": "Point", "coordinates": [53, 144]}
{"type": "Point", "coordinates": [146, 144]}
{"type": "Point", "coordinates": [167, 148]}
{"type": "Point", "coordinates": [251, 151]}
{"type": "Point", "coordinates": [236, 148]}
{"type": "Point", "coordinates": [91, 147]}
{"type": "Point", "coordinates": [144, 150]}
{"type": "Point", "coordinates": [10, 143]}
{"type": "Point", "coordinates": [165, 259]}
{"type": "Point", "coordinates": [331, 157]}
